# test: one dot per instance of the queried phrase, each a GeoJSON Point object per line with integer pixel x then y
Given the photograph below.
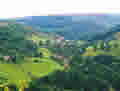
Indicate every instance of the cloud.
{"type": "Point", "coordinates": [20, 8]}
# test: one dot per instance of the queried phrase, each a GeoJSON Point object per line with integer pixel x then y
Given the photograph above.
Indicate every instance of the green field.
{"type": "Point", "coordinates": [16, 73]}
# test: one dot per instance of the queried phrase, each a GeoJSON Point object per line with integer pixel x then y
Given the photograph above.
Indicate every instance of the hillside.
{"type": "Point", "coordinates": [34, 59]}
{"type": "Point", "coordinates": [19, 38]}
{"type": "Point", "coordinates": [83, 27]}
{"type": "Point", "coordinates": [22, 42]}
{"type": "Point", "coordinates": [13, 40]}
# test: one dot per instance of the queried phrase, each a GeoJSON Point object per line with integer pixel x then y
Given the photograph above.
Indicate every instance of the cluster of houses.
{"type": "Point", "coordinates": [9, 58]}
{"type": "Point", "coordinates": [63, 59]}
{"type": "Point", "coordinates": [4, 24]}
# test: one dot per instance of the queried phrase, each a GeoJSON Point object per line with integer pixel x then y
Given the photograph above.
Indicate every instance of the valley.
{"type": "Point", "coordinates": [34, 60]}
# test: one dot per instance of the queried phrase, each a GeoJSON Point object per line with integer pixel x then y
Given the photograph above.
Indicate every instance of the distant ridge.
{"type": "Point", "coordinates": [73, 27]}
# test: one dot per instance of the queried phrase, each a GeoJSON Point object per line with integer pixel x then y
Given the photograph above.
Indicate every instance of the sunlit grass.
{"type": "Point", "coordinates": [19, 72]}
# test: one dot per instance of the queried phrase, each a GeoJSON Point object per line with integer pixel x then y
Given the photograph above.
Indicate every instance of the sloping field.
{"type": "Point", "coordinates": [16, 73]}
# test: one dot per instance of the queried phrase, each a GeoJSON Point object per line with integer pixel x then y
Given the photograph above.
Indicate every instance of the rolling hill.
{"type": "Point", "coordinates": [13, 38]}
{"type": "Point", "coordinates": [18, 39]}
{"type": "Point", "coordinates": [81, 27]}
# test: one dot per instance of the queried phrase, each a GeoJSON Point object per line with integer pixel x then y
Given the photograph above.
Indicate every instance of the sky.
{"type": "Point", "coordinates": [21, 8]}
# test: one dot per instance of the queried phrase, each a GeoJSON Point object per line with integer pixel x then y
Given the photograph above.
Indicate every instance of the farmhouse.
{"type": "Point", "coordinates": [4, 24]}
